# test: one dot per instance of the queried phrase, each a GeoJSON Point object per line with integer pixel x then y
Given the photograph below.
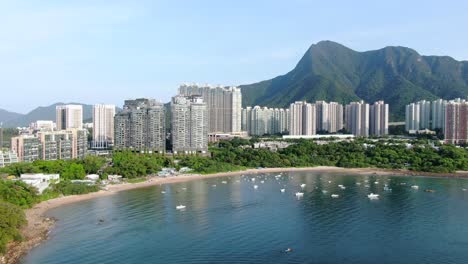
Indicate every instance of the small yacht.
{"type": "Point", "coordinates": [224, 182]}
{"type": "Point", "coordinates": [299, 194]}
{"type": "Point", "coordinates": [163, 192]}
{"type": "Point", "coordinates": [324, 191]}
{"type": "Point", "coordinates": [180, 207]}
{"type": "Point", "coordinates": [342, 187]}
{"type": "Point", "coordinates": [283, 190]}
{"type": "Point", "coordinates": [415, 187]}
{"type": "Point", "coordinates": [262, 182]}
{"type": "Point", "coordinates": [335, 196]}
{"type": "Point", "coordinates": [253, 179]}
{"type": "Point", "coordinates": [255, 186]}
{"type": "Point", "coordinates": [376, 182]}
{"type": "Point", "coordinates": [214, 185]}
{"type": "Point", "coordinates": [303, 185]}
{"type": "Point", "coordinates": [358, 183]}
{"type": "Point", "coordinates": [373, 196]}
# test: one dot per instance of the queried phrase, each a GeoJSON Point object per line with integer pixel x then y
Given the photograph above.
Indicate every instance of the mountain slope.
{"type": "Point", "coordinates": [44, 113]}
{"type": "Point", "coordinates": [7, 115]}
{"type": "Point", "coordinates": [330, 71]}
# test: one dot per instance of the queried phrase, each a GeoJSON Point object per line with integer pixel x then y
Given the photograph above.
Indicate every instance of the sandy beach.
{"type": "Point", "coordinates": [39, 224]}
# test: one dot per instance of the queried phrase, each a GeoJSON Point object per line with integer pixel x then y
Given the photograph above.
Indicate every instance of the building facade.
{"type": "Point", "coordinates": [438, 114]}
{"type": "Point", "coordinates": [189, 125]}
{"type": "Point", "coordinates": [357, 118]}
{"type": "Point", "coordinates": [379, 114]}
{"type": "Point", "coordinates": [141, 126]}
{"type": "Point", "coordinates": [103, 126]}
{"type": "Point", "coordinates": [69, 116]}
{"type": "Point", "coordinates": [7, 158]}
{"type": "Point", "coordinates": [224, 106]}
{"type": "Point", "coordinates": [456, 122]}
{"type": "Point", "coordinates": [26, 147]}
{"type": "Point", "coordinates": [302, 118]}
{"type": "Point", "coordinates": [259, 121]}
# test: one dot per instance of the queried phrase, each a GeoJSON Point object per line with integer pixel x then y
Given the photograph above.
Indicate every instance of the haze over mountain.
{"type": "Point", "coordinates": [40, 113]}
{"type": "Point", "coordinates": [330, 71]}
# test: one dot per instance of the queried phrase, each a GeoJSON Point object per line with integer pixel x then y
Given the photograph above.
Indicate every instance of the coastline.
{"type": "Point", "coordinates": [39, 225]}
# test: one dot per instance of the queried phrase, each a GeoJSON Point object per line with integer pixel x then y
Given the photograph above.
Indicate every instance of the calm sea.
{"type": "Point", "coordinates": [232, 222]}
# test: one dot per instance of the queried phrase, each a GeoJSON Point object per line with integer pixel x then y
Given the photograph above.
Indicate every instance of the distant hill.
{"type": "Point", "coordinates": [44, 113]}
{"type": "Point", "coordinates": [330, 71]}
{"type": "Point", "coordinates": [6, 116]}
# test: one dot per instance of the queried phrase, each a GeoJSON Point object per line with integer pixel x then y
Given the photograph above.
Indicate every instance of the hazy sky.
{"type": "Point", "coordinates": [98, 51]}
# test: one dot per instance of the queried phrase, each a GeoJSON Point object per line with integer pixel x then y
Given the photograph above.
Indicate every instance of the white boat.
{"type": "Point", "coordinates": [214, 185]}
{"type": "Point", "coordinates": [335, 196]}
{"type": "Point", "coordinates": [253, 179]}
{"type": "Point", "coordinates": [299, 194]}
{"type": "Point", "coordinates": [180, 207]}
{"type": "Point", "coordinates": [255, 186]}
{"type": "Point", "coordinates": [342, 187]}
{"type": "Point", "coordinates": [464, 189]}
{"type": "Point", "coordinates": [262, 182]}
{"type": "Point", "coordinates": [376, 182]}
{"type": "Point", "coordinates": [373, 196]}
{"type": "Point", "coordinates": [163, 192]}
{"type": "Point", "coordinates": [415, 187]}
{"type": "Point", "coordinates": [303, 185]}
{"type": "Point", "coordinates": [358, 183]}
{"type": "Point", "coordinates": [329, 181]}
{"type": "Point", "coordinates": [224, 182]}
{"type": "Point", "coordinates": [283, 190]}
{"type": "Point", "coordinates": [324, 191]}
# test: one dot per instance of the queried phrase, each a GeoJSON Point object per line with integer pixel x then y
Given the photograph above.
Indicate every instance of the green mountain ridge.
{"type": "Point", "coordinates": [332, 72]}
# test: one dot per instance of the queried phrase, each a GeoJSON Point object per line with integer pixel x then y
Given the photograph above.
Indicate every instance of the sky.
{"type": "Point", "coordinates": [106, 51]}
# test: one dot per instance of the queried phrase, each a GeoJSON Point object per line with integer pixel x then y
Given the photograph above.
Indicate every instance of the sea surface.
{"type": "Point", "coordinates": [232, 222]}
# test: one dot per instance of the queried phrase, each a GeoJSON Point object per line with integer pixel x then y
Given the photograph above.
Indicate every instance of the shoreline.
{"type": "Point", "coordinates": [39, 225]}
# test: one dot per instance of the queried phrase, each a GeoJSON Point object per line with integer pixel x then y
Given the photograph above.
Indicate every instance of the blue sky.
{"type": "Point", "coordinates": [98, 51]}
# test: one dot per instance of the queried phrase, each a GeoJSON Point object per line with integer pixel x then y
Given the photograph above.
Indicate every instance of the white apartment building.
{"type": "Point", "coordinates": [103, 126]}
{"type": "Point", "coordinates": [69, 116]}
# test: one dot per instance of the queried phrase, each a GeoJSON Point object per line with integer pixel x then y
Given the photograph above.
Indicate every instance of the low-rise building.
{"type": "Point", "coordinates": [40, 181]}
{"type": "Point", "coordinates": [7, 158]}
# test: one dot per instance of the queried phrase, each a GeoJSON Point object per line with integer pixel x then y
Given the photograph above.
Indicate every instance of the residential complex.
{"type": "Point", "coordinates": [189, 125]}
{"type": "Point", "coordinates": [456, 122]}
{"type": "Point", "coordinates": [7, 158]}
{"type": "Point", "coordinates": [379, 119]}
{"type": "Point", "coordinates": [69, 116]}
{"type": "Point", "coordinates": [103, 126]}
{"type": "Point", "coordinates": [438, 114]}
{"type": "Point", "coordinates": [141, 126]}
{"type": "Point", "coordinates": [357, 118]}
{"type": "Point", "coordinates": [302, 119]}
{"type": "Point", "coordinates": [224, 106]}
{"type": "Point", "coordinates": [51, 145]}
{"type": "Point", "coordinates": [418, 116]}
{"type": "Point", "coordinates": [259, 121]}
{"type": "Point", "coordinates": [42, 125]}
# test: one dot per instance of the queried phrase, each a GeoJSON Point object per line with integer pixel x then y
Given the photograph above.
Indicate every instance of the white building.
{"type": "Point", "coordinates": [259, 121]}
{"type": "Point", "coordinates": [103, 126]}
{"type": "Point", "coordinates": [302, 118]}
{"type": "Point", "coordinates": [42, 125]}
{"type": "Point", "coordinates": [357, 118]}
{"type": "Point", "coordinates": [7, 158]}
{"type": "Point", "coordinates": [379, 115]}
{"type": "Point", "coordinates": [224, 106]}
{"type": "Point", "coordinates": [438, 114]}
{"type": "Point", "coordinates": [412, 117]}
{"type": "Point", "coordinates": [40, 181]}
{"type": "Point", "coordinates": [69, 116]}
{"type": "Point", "coordinates": [189, 125]}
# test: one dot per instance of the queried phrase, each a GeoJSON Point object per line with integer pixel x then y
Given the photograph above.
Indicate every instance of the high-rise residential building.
{"type": "Point", "coordinates": [438, 114]}
{"type": "Point", "coordinates": [56, 145]}
{"type": "Point", "coordinates": [412, 117]}
{"type": "Point", "coordinates": [335, 115]}
{"type": "Point", "coordinates": [322, 116]}
{"type": "Point", "coordinates": [224, 106]}
{"type": "Point", "coordinates": [302, 119]}
{"type": "Point", "coordinates": [189, 125]}
{"type": "Point", "coordinates": [456, 122]}
{"type": "Point", "coordinates": [379, 119]}
{"type": "Point", "coordinates": [103, 126]}
{"type": "Point", "coordinates": [7, 158]}
{"type": "Point", "coordinates": [26, 147]}
{"type": "Point", "coordinates": [141, 126]}
{"type": "Point", "coordinates": [357, 118]}
{"type": "Point", "coordinates": [1, 137]}
{"type": "Point", "coordinates": [69, 116]}
{"type": "Point", "coordinates": [42, 125]}
{"type": "Point", "coordinates": [259, 121]}
{"type": "Point", "coordinates": [424, 114]}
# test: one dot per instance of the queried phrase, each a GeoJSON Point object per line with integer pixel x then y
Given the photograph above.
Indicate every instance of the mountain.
{"type": "Point", "coordinates": [44, 113]}
{"type": "Point", "coordinates": [7, 115]}
{"type": "Point", "coordinates": [332, 72]}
